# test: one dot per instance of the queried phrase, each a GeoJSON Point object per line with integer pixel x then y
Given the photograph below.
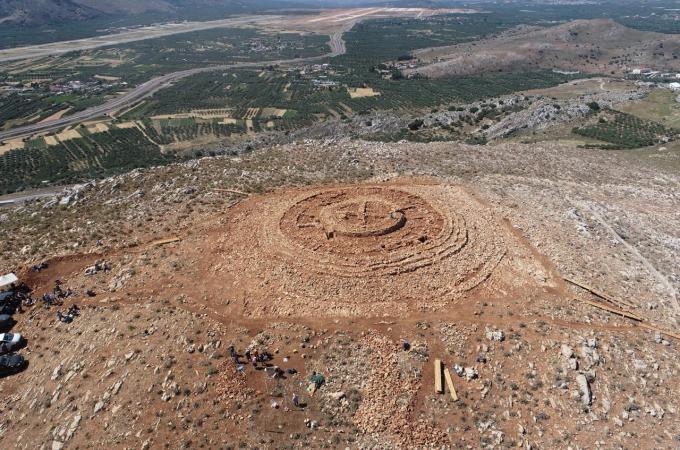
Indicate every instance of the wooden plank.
{"type": "Point", "coordinates": [449, 385]}
{"type": "Point", "coordinates": [606, 307]}
{"type": "Point", "coordinates": [629, 315]}
{"type": "Point", "coordinates": [438, 386]}
{"type": "Point", "coordinates": [165, 241]}
{"type": "Point", "coordinates": [597, 293]}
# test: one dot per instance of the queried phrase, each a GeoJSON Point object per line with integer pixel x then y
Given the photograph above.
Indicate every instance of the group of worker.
{"type": "Point", "coordinates": [256, 357]}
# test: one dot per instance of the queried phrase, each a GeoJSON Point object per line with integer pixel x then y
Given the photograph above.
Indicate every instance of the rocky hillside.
{"type": "Point", "coordinates": [147, 361]}
{"type": "Point", "coordinates": [592, 46]}
{"type": "Point", "coordinates": [24, 12]}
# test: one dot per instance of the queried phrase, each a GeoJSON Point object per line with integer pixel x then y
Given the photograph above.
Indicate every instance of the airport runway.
{"type": "Point", "coordinates": [124, 37]}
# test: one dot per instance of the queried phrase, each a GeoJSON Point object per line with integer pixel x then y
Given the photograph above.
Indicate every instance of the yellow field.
{"type": "Point", "coordinates": [98, 128]}
{"type": "Point", "coordinates": [362, 92]}
{"type": "Point", "coordinates": [273, 112]}
{"type": "Point", "coordinates": [67, 135]}
{"type": "Point", "coordinates": [51, 140]}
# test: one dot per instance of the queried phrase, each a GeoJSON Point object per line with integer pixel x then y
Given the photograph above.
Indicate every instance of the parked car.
{"type": "Point", "coordinates": [6, 321]}
{"type": "Point", "coordinates": [11, 363]}
{"type": "Point", "coordinates": [10, 342]}
{"type": "Point", "coordinates": [9, 302]}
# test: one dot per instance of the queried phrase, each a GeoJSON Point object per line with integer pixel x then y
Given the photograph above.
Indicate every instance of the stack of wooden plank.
{"type": "Point", "coordinates": [439, 371]}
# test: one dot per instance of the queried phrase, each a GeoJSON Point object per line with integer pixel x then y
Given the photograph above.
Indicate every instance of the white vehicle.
{"type": "Point", "coordinates": [10, 342]}
{"type": "Point", "coordinates": [7, 282]}
{"type": "Point", "coordinates": [10, 338]}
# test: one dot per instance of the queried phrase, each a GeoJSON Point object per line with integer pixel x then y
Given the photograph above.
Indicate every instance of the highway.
{"type": "Point", "coordinates": [336, 43]}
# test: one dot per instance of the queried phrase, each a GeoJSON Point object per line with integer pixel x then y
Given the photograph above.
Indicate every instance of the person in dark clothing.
{"type": "Point", "coordinates": [234, 354]}
{"type": "Point", "coordinates": [64, 317]}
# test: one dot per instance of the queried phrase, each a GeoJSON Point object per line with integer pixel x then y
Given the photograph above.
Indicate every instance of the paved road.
{"type": "Point", "coordinates": [337, 45]}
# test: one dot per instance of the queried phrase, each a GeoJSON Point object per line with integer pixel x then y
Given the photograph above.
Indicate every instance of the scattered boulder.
{"type": "Point", "coordinates": [584, 389]}
{"type": "Point", "coordinates": [471, 373]}
{"type": "Point", "coordinates": [56, 373]}
{"type": "Point", "coordinates": [337, 396]}
{"type": "Point", "coordinates": [572, 363]}
{"type": "Point", "coordinates": [98, 406]}
{"type": "Point", "coordinates": [495, 335]}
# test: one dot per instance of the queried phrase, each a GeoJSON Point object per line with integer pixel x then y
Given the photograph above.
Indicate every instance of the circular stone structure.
{"type": "Point", "coordinates": [358, 249]}
{"type": "Point", "coordinates": [368, 231]}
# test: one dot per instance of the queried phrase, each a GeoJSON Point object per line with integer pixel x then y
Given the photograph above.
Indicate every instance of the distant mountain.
{"type": "Point", "coordinates": [36, 12]}
{"type": "Point", "coordinates": [39, 12]}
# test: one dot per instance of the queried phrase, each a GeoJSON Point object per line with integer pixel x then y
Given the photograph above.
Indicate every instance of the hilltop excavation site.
{"type": "Point", "coordinates": [349, 294]}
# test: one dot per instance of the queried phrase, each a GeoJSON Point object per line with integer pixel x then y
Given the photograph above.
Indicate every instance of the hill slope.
{"type": "Point", "coordinates": [23, 12]}
{"type": "Point", "coordinates": [593, 46]}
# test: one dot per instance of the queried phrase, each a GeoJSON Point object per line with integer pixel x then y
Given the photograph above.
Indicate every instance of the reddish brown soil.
{"type": "Point", "coordinates": [368, 250]}
{"type": "Point", "coordinates": [332, 278]}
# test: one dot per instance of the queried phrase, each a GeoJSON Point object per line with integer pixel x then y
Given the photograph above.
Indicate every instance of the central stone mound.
{"type": "Point", "coordinates": [364, 231]}
{"type": "Point", "coordinates": [362, 217]}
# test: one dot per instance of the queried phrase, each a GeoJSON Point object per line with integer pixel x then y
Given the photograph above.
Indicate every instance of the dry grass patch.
{"type": "Point", "coordinates": [362, 92]}
{"type": "Point", "coordinates": [11, 145]}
